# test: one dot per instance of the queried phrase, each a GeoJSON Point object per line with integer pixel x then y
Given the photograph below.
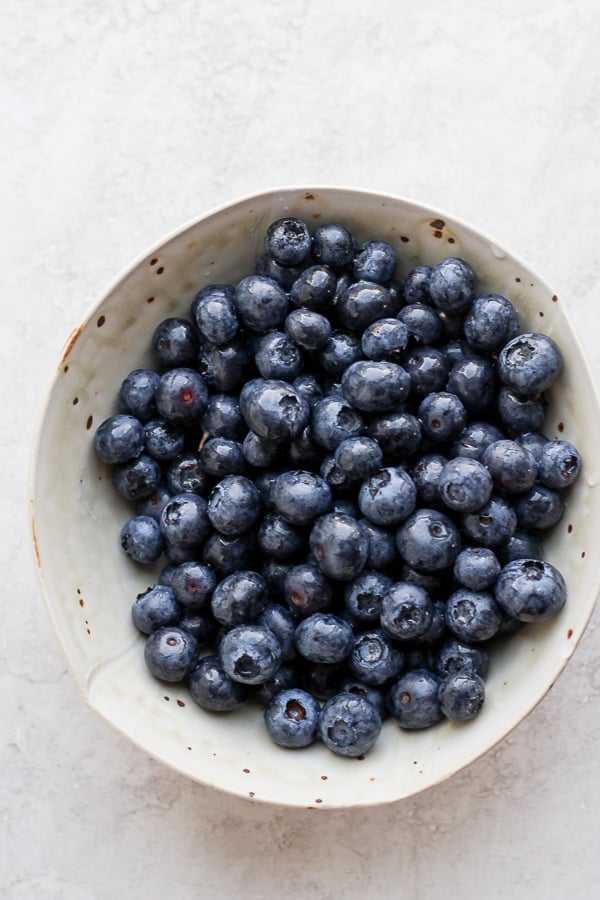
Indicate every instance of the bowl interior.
{"type": "Point", "coordinates": [89, 584]}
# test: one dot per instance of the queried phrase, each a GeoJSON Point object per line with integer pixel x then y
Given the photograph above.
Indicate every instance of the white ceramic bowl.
{"type": "Point", "coordinates": [89, 584]}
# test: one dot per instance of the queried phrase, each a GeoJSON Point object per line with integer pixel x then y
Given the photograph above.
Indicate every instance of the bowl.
{"type": "Point", "coordinates": [89, 584]}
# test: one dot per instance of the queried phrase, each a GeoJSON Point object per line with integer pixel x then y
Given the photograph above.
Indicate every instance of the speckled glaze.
{"type": "Point", "coordinates": [89, 584]}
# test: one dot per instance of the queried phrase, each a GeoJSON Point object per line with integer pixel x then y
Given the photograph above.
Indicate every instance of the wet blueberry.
{"type": "Point", "coordinates": [530, 590]}
{"type": "Point", "coordinates": [155, 608]}
{"type": "Point", "coordinates": [428, 369]}
{"type": "Point", "coordinates": [364, 595]}
{"type": "Point", "coordinates": [213, 311]}
{"type": "Point", "coordinates": [375, 261]}
{"type": "Point", "coordinates": [141, 539]}
{"type": "Point", "coordinates": [349, 724]}
{"type": "Point", "coordinates": [490, 323]}
{"type": "Point", "coordinates": [324, 638]}
{"type": "Point", "coordinates": [340, 546]}
{"type": "Point", "coordinates": [224, 366]}
{"type": "Point", "coordinates": [239, 598]}
{"type": "Point", "coordinates": [292, 718]}
{"type": "Point", "coordinates": [118, 439]}
{"type": "Point", "coordinates": [375, 658]}
{"type": "Point", "coordinates": [422, 322]}
{"type": "Point", "coordinates": [476, 568]}
{"type": "Point", "coordinates": [233, 505]}
{"type": "Point", "coordinates": [462, 696]}
{"type": "Point", "coordinates": [136, 394]}
{"type": "Point", "coordinates": [288, 241]}
{"type": "Point", "coordinates": [464, 484]}
{"type": "Point", "coordinates": [137, 479]}
{"type": "Point", "coordinates": [375, 386]}
{"type": "Point", "coordinates": [559, 464]}
{"type": "Point", "coordinates": [492, 524]}
{"type": "Point", "coordinates": [443, 416]}
{"type": "Point", "coordinates": [181, 396]}
{"type": "Point", "coordinates": [279, 539]}
{"type": "Point", "coordinates": [300, 496]}
{"type": "Point", "coordinates": [277, 356]}
{"type": "Point", "coordinates": [171, 653]}
{"type": "Point", "coordinates": [333, 420]}
{"type": "Point", "coordinates": [540, 508]}
{"type": "Point", "coordinates": [314, 288]}
{"type": "Point", "coordinates": [387, 497]}
{"type": "Point", "coordinates": [186, 474]}
{"type": "Point", "coordinates": [428, 541]}
{"type": "Point", "coordinates": [308, 329]}
{"type": "Point", "coordinates": [363, 303]}
{"type": "Point", "coordinates": [340, 351]}
{"type": "Point", "coordinates": [333, 246]}
{"type": "Point", "coordinates": [473, 616]}
{"type": "Point", "coordinates": [530, 363]}
{"type": "Point", "coordinates": [193, 584]}
{"type": "Point", "coordinates": [184, 520]}
{"type": "Point", "coordinates": [273, 409]}
{"type": "Point", "coordinates": [406, 611]}
{"type": "Point", "coordinates": [261, 303]}
{"type": "Point", "coordinates": [413, 699]}
{"type": "Point", "coordinates": [250, 654]}
{"type": "Point", "coordinates": [452, 285]}
{"type": "Point", "coordinates": [213, 689]}
{"type": "Point", "coordinates": [385, 339]}
{"type": "Point", "coordinates": [512, 467]}
{"type": "Point", "coordinates": [416, 285]}
{"type": "Point", "coordinates": [163, 440]}
{"type": "Point", "coordinates": [306, 590]}
{"type": "Point", "coordinates": [175, 343]}
{"type": "Point", "coordinates": [358, 458]}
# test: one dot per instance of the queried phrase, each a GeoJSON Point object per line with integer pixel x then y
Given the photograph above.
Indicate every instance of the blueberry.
{"type": "Point", "coordinates": [413, 699]}
{"type": "Point", "coordinates": [184, 520]}
{"type": "Point", "coordinates": [375, 261]}
{"type": "Point", "coordinates": [288, 241]}
{"type": "Point", "coordinates": [171, 653]}
{"type": "Point", "coordinates": [224, 366]}
{"type": "Point", "coordinates": [307, 328]}
{"type": "Point", "coordinates": [163, 440]}
{"type": "Point", "coordinates": [520, 414]}
{"type": "Point", "coordinates": [303, 452]}
{"type": "Point", "coordinates": [193, 584]}
{"type": "Point", "coordinates": [373, 386]}
{"type": "Point", "coordinates": [428, 541]}
{"type": "Point", "coordinates": [473, 616]}
{"type": "Point", "coordinates": [314, 288]}
{"type": "Point", "coordinates": [233, 505]}
{"type": "Point", "coordinates": [283, 275]}
{"type": "Point", "coordinates": [118, 439]}
{"type": "Point", "coordinates": [443, 416]}
{"type": "Point", "coordinates": [398, 433]}
{"type": "Point", "coordinates": [490, 323]}
{"type": "Point", "coordinates": [333, 420]}
{"type": "Point", "coordinates": [522, 545]}
{"type": "Point", "coordinates": [141, 539]}
{"type": "Point", "coordinates": [340, 351]}
{"type": "Point", "coordinates": [213, 689]}
{"type": "Point", "coordinates": [364, 595]}
{"type": "Point", "coordinates": [474, 438]}
{"type": "Point", "coordinates": [277, 356]}
{"type": "Point", "coordinates": [175, 343]}
{"type": "Point", "coordinates": [221, 457]}
{"type": "Point", "coordinates": [385, 339]}
{"type": "Point", "coordinates": [363, 303]}
{"type": "Point", "coordinates": [349, 724]}
{"type": "Point", "coordinates": [333, 246]}
{"type": "Point", "coordinates": [181, 396]}
{"type": "Point", "coordinates": [137, 479]}
{"type": "Point", "coordinates": [308, 387]}
{"type": "Point", "coordinates": [228, 554]}
{"type": "Point", "coordinates": [239, 598]}
{"type": "Point", "coordinates": [278, 539]}
{"type": "Point", "coordinates": [259, 452]}
{"type": "Point", "coordinates": [324, 638]}
{"type": "Point", "coordinates": [422, 322]}
{"type": "Point", "coordinates": [476, 568]}
{"type": "Point", "coordinates": [473, 380]}
{"type": "Point", "coordinates": [300, 497]}
{"type": "Point", "coordinates": [452, 285]}
{"type": "Point", "coordinates": [155, 608]}
{"type": "Point", "coordinates": [186, 475]}
{"type": "Point", "coordinates": [426, 475]}
{"type": "Point", "coordinates": [381, 546]}
{"type": "Point", "coordinates": [559, 464]}
{"type": "Point", "coordinates": [136, 394]}
{"type": "Point", "coordinates": [285, 678]}
{"type": "Point", "coordinates": [292, 718]}
{"type": "Point", "coordinates": [155, 503]}
{"type": "Point", "coordinates": [416, 285]}
{"type": "Point", "coordinates": [306, 590]}
{"type": "Point", "coordinates": [459, 656]}
{"type": "Point", "coordinates": [492, 524]}
{"type": "Point", "coordinates": [282, 622]}
{"type": "Point", "coordinates": [340, 546]}
{"type": "Point", "coordinates": [530, 363]}
{"type": "Point", "coordinates": [406, 611]}
{"type": "Point", "coordinates": [201, 626]}
{"type": "Point", "coordinates": [358, 458]}
{"type": "Point", "coordinates": [540, 508]}
{"type": "Point", "coordinates": [532, 441]}
{"type": "Point", "coordinates": [462, 696]}
{"type": "Point", "coordinates": [428, 370]}
{"type": "Point", "coordinates": [375, 694]}
{"type": "Point", "coordinates": [213, 311]}
{"type": "Point", "coordinates": [374, 658]}
{"type": "Point", "coordinates": [512, 467]}
{"type": "Point", "coordinates": [464, 485]}
{"type": "Point", "coordinates": [273, 409]}
{"type": "Point", "coordinates": [250, 654]}
{"type": "Point", "coordinates": [530, 590]}
{"type": "Point", "coordinates": [387, 497]}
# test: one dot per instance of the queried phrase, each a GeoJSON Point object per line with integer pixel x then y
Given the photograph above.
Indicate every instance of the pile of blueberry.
{"type": "Point", "coordinates": [347, 476]}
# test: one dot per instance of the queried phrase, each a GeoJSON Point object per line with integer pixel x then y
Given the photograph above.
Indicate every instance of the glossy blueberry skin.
{"type": "Point", "coordinates": [306, 590]}
{"type": "Point", "coordinates": [213, 689]}
{"type": "Point", "coordinates": [363, 303]}
{"type": "Point", "coordinates": [181, 396]}
{"type": "Point", "coordinates": [136, 394]}
{"type": "Point", "coordinates": [532, 441]}
{"type": "Point", "coordinates": [277, 356]}
{"type": "Point", "coordinates": [163, 440]}
{"type": "Point", "coordinates": [540, 508]}
{"type": "Point", "coordinates": [292, 718]}
{"type": "Point", "coordinates": [473, 380]}
{"type": "Point", "coordinates": [349, 724]}
{"type": "Point", "coordinates": [283, 275]}
{"type": "Point", "coordinates": [406, 611]}
{"type": "Point", "coordinates": [428, 541]}
{"type": "Point", "coordinates": [520, 414]}
{"type": "Point", "coordinates": [307, 328]}
{"type": "Point", "coordinates": [385, 339]}
{"type": "Point", "coordinates": [282, 622]}
{"type": "Point", "coordinates": [141, 539]}
{"type": "Point", "coordinates": [155, 503]}
{"type": "Point", "coordinates": [193, 584]}
{"type": "Point", "coordinates": [375, 261]}
{"type": "Point", "coordinates": [358, 458]}
{"type": "Point", "coordinates": [324, 638]}
{"type": "Point", "coordinates": [474, 438]}
{"type": "Point", "coordinates": [258, 451]}
{"type": "Point", "coordinates": [462, 696]}
{"type": "Point", "coordinates": [285, 678]}
{"type": "Point", "coordinates": [221, 457]}
{"type": "Point", "coordinates": [399, 435]}
{"type": "Point", "coordinates": [200, 625]}
{"type": "Point", "coordinates": [512, 467]}
{"type": "Point", "coordinates": [374, 658]}
{"type": "Point", "coordinates": [413, 699]}
{"type": "Point", "coordinates": [175, 343]}
{"type": "Point", "coordinates": [340, 351]}
{"type": "Point", "coordinates": [375, 694]}
{"type": "Point", "coordinates": [214, 314]}
{"type": "Point", "coordinates": [530, 590]}
{"type": "Point", "coordinates": [288, 241]}
{"type": "Point", "coordinates": [171, 653]}
{"type": "Point", "coordinates": [333, 246]}
{"type": "Point", "coordinates": [250, 654]}
{"type": "Point", "coordinates": [530, 363]}
{"type": "Point", "coordinates": [473, 616]}
{"type": "Point", "coordinates": [491, 525]}
{"type": "Point", "coordinates": [138, 478]}
{"type": "Point", "coordinates": [155, 608]}
{"type": "Point", "coordinates": [308, 387]}
{"type": "Point", "coordinates": [239, 598]}
{"type": "Point", "coordinates": [490, 323]}
{"type": "Point", "coordinates": [333, 420]}
{"type": "Point", "coordinates": [233, 505]}
{"type": "Point", "coordinates": [186, 475]}
{"type": "Point", "coordinates": [300, 496]}
{"type": "Point", "coordinates": [224, 366]}
{"type": "Point", "coordinates": [428, 369]}
{"type": "Point", "coordinates": [314, 288]}
{"type": "Point", "coordinates": [273, 409]}
{"type": "Point", "coordinates": [476, 568]}
{"type": "Point", "coordinates": [559, 464]}
{"type": "Point", "coordinates": [387, 497]}
{"type": "Point", "coordinates": [261, 304]}
{"type": "Point", "coordinates": [381, 546]}
{"type": "Point", "coordinates": [443, 416]}
{"type": "Point", "coordinates": [459, 656]}
{"type": "Point", "coordinates": [465, 485]}
{"type": "Point", "coordinates": [339, 545]}
{"type": "Point", "coordinates": [522, 545]}
{"type": "Point", "coordinates": [228, 554]}
{"type": "Point", "coordinates": [118, 439]}
{"type": "Point", "coordinates": [452, 285]}
{"type": "Point", "coordinates": [278, 539]}
{"type": "Point", "coordinates": [425, 475]}
{"type": "Point", "coordinates": [375, 386]}
{"type": "Point", "coordinates": [422, 323]}
{"type": "Point", "coordinates": [184, 520]}
{"type": "Point", "coordinates": [303, 453]}
{"type": "Point", "coordinates": [364, 595]}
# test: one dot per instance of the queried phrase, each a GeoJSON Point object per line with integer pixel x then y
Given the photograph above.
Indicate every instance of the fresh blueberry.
{"type": "Point", "coordinates": [373, 386]}
{"type": "Point", "coordinates": [512, 467]}
{"type": "Point", "coordinates": [324, 638]}
{"type": "Point", "coordinates": [118, 439]}
{"type": "Point", "coordinates": [530, 363]}
{"type": "Point", "coordinates": [428, 369]}
{"type": "Point", "coordinates": [398, 433]}
{"type": "Point", "coordinates": [406, 611]}
{"type": "Point", "coordinates": [163, 440]}
{"type": "Point", "coordinates": [314, 288]}
{"type": "Point", "coordinates": [559, 464]}
{"type": "Point", "coordinates": [171, 653]}
{"type": "Point", "coordinates": [413, 699]}
{"type": "Point", "coordinates": [532, 441]}
{"type": "Point", "coordinates": [186, 475]}
{"type": "Point", "coordinates": [387, 497]}
{"type": "Point", "coordinates": [306, 590]}
{"type": "Point", "coordinates": [381, 549]}
{"type": "Point", "coordinates": [530, 590]}
{"type": "Point", "coordinates": [474, 438]}
{"type": "Point", "coordinates": [462, 696]}
{"type": "Point", "coordinates": [464, 485]}
{"type": "Point", "coordinates": [181, 396]}
{"type": "Point", "coordinates": [239, 598]}
{"type": "Point", "coordinates": [213, 311]}
{"type": "Point", "coordinates": [375, 694]}
{"type": "Point", "coordinates": [308, 387]}
{"type": "Point", "coordinates": [303, 452]}
{"type": "Point", "coordinates": [175, 343]}
{"type": "Point", "coordinates": [349, 724]}
{"type": "Point", "coordinates": [358, 458]}
{"type": "Point", "coordinates": [340, 351]}
{"type": "Point", "coordinates": [422, 322]}
{"type": "Point", "coordinates": [333, 246]}
{"type": "Point", "coordinates": [137, 479]}
{"type": "Point", "coordinates": [193, 584]}
{"type": "Point", "coordinates": [426, 475]}
{"type": "Point", "coordinates": [282, 622]}
{"type": "Point", "coordinates": [490, 323]}
{"type": "Point", "coordinates": [288, 241]}
{"type": "Point", "coordinates": [213, 689]}
{"type": "Point", "coordinates": [228, 554]}
{"type": "Point", "coordinates": [155, 608]}
{"type": "Point", "coordinates": [283, 275]}
{"type": "Point", "coordinates": [452, 285]}
{"type": "Point", "coordinates": [443, 416]}
{"type": "Point", "coordinates": [200, 625]}
{"type": "Point", "coordinates": [473, 616]}
{"type": "Point", "coordinates": [136, 394]}
{"type": "Point", "coordinates": [300, 496]}
{"type": "Point", "coordinates": [307, 328]}
{"type": "Point", "coordinates": [416, 285]}
{"type": "Point", "coordinates": [540, 508]}
{"type": "Point", "coordinates": [224, 366]}
{"type": "Point", "coordinates": [155, 503]}
{"type": "Point", "coordinates": [473, 380]}
{"type": "Point", "coordinates": [492, 524]}
{"type": "Point", "coordinates": [250, 654]}
{"type": "Point", "coordinates": [273, 409]}
{"type": "Point", "coordinates": [141, 539]}
{"type": "Point", "coordinates": [522, 545]}
{"type": "Point", "coordinates": [233, 505]}
{"type": "Point", "coordinates": [259, 452]}
{"type": "Point", "coordinates": [384, 339]}
{"type": "Point", "coordinates": [375, 261]}
{"type": "Point", "coordinates": [184, 520]}
{"type": "Point", "coordinates": [278, 539]}
{"type": "Point", "coordinates": [277, 356]}
{"type": "Point", "coordinates": [374, 658]}
{"type": "Point", "coordinates": [364, 595]}
{"type": "Point", "coordinates": [333, 420]}
{"type": "Point", "coordinates": [363, 303]}
{"type": "Point", "coordinates": [292, 718]}
{"type": "Point", "coordinates": [340, 546]}
{"type": "Point", "coordinates": [520, 414]}
{"type": "Point", "coordinates": [428, 541]}
{"type": "Point", "coordinates": [476, 568]}
{"type": "Point", "coordinates": [459, 656]}
{"type": "Point", "coordinates": [285, 678]}
{"type": "Point", "coordinates": [220, 457]}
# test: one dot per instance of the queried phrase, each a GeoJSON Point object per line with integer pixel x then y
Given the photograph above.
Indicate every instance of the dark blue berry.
{"type": "Point", "coordinates": [141, 539]}
{"type": "Point", "coordinates": [530, 590]}
{"type": "Point", "coordinates": [363, 596]}
{"type": "Point", "coordinates": [277, 356]}
{"type": "Point", "coordinates": [288, 241]}
{"type": "Point", "coordinates": [300, 496]}
{"type": "Point", "coordinates": [374, 658]}
{"type": "Point", "coordinates": [186, 475]}
{"type": "Point", "coordinates": [118, 439]}
{"type": "Point", "coordinates": [314, 288]}
{"type": "Point", "coordinates": [530, 363]}
{"type": "Point", "coordinates": [358, 458]}
{"type": "Point", "coordinates": [559, 464]}
{"type": "Point", "coordinates": [349, 724]}
{"type": "Point", "coordinates": [443, 416]}
{"type": "Point", "coordinates": [228, 554]}
{"type": "Point", "coordinates": [155, 608]}
{"type": "Point", "coordinates": [473, 616]}
{"type": "Point", "coordinates": [459, 656]}
{"type": "Point", "coordinates": [233, 505]}
{"type": "Point", "coordinates": [213, 689]}
{"type": "Point", "coordinates": [422, 322]}
{"type": "Point", "coordinates": [385, 339]}
{"type": "Point", "coordinates": [282, 622]}
{"type": "Point", "coordinates": [473, 380]}
{"type": "Point", "coordinates": [428, 541]}
{"type": "Point", "coordinates": [491, 525]}
{"type": "Point", "coordinates": [324, 638]}
{"type": "Point", "coordinates": [339, 545]}
{"type": "Point", "coordinates": [426, 477]}
{"type": "Point", "coordinates": [490, 323]}
{"type": "Point", "coordinates": [239, 598]}
{"type": "Point", "coordinates": [398, 433]}
{"type": "Point", "coordinates": [413, 699]}
{"type": "Point", "coordinates": [292, 718]}
{"type": "Point", "coordinates": [261, 303]}
{"type": "Point", "coordinates": [184, 520]}
{"type": "Point", "coordinates": [373, 386]}
{"type": "Point", "coordinates": [387, 497]}
{"type": "Point", "coordinates": [163, 440]}
{"type": "Point", "coordinates": [540, 508]}
{"type": "Point", "coordinates": [213, 311]}
{"type": "Point", "coordinates": [416, 285]}
{"type": "Point", "coordinates": [520, 414]}
{"type": "Point", "coordinates": [181, 396]}
{"type": "Point", "coordinates": [340, 351]}
{"type": "Point", "coordinates": [307, 328]}
{"type": "Point", "coordinates": [273, 409]}
{"type": "Point", "coordinates": [333, 420]}
{"type": "Point", "coordinates": [220, 457]}
{"type": "Point", "coordinates": [462, 696]}
{"type": "Point", "coordinates": [474, 438]}
{"type": "Point", "coordinates": [193, 584]}
{"type": "Point", "coordinates": [428, 370]}
{"type": "Point", "coordinates": [363, 303]}
{"type": "Point", "coordinates": [278, 539]}
{"type": "Point", "coordinates": [306, 590]}
{"type": "Point", "coordinates": [381, 550]}
{"type": "Point", "coordinates": [406, 611]}
{"type": "Point", "coordinates": [175, 343]}
{"type": "Point", "coordinates": [512, 466]}
{"type": "Point", "coordinates": [224, 366]}
{"type": "Point", "coordinates": [476, 568]}
{"type": "Point", "coordinates": [137, 479]}
{"type": "Point", "coordinates": [464, 485]}
{"type": "Point", "coordinates": [250, 654]}
{"type": "Point", "coordinates": [375, 261]}
{"type": "Point", "coordinates": [333, 246]}
{"type": "Point", "coordinates": [171, 653]}
{"type": "Point", "coordinates": [452, 285]}
{"type": "Point", "coordinates": [136, 394]}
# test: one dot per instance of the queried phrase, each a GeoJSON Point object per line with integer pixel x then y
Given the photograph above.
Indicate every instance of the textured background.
{"type": "Point", "coordinates": [123, 119]}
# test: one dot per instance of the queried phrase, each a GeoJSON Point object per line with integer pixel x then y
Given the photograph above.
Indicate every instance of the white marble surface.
{"type": "Point", "coordinates": [122, 120]}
